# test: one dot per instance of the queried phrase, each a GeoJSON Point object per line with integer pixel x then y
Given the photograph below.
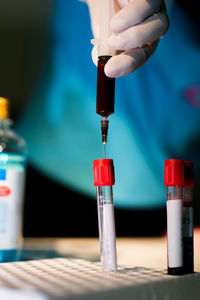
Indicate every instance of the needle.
{"type": "Point", "coordinates": [104, 146]}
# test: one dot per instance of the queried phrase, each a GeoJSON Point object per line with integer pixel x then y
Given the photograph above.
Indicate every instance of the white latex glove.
{"type": "Point", "coordinates": [136, 29]}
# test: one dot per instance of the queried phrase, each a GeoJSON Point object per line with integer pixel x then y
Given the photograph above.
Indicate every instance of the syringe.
{"type": "Point", "coordinates": [105, 85]}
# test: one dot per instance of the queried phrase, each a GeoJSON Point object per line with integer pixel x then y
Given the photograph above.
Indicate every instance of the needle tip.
{"type": "Point", "coordinates": [104, 148]}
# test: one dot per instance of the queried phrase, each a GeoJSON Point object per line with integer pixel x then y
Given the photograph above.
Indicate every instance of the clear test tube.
{"type": "Point", "coordinates": [174, 180]}
{"type": "Point", "coordinates": [104, 179]}
{"type": "Point", "coordinates": [188, 227]}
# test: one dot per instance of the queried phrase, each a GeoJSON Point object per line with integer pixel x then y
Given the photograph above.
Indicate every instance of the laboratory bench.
{"type": "Point", "coordinates": [69, 268]}
{"type": "Point", "coordinates": [143, 252]}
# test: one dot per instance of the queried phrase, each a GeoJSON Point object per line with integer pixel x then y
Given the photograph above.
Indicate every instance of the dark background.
{"type": "Point", "coordinates": [51, 209]}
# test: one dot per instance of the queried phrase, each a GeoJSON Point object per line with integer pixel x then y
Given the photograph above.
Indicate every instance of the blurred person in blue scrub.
{"type": "Point", "coordinates": [157, 116]}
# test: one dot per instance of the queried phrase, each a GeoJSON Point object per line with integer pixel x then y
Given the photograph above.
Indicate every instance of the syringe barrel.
{"type": "Point", "coordinates": [105, 90]}
{"type": "Point", "coordinates": [106, 12]}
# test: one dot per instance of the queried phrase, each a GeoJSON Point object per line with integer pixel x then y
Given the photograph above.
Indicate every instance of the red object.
{"type": "Point", "coordinates": [4, 191]}
{"type": "Point", "coordinates": [189, 174]}
{"type": "Point", "coordinates": [174, 172]}
{"type": "Point", "coordinates": [103, 172]}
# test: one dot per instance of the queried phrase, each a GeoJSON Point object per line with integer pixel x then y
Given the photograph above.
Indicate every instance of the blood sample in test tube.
{"type": "Point", "coordinates": [188, 228]}
{"type": "Point", "coordinates": [174, 180]}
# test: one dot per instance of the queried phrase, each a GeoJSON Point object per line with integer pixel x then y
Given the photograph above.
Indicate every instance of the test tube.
{"type": "Point", "coordinates": [174, 180]}
{"type": "Point", "coordinates": [188, 247]}
{"type": "Point", "coordinates": [104, 179]}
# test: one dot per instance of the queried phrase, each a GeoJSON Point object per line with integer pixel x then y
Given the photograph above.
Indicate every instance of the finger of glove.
{"type": "Point", "coordinates": [134, 13]}
{"type": "Point", "coordinates": [136, 36]}
{"type": "Point", "coordinates": [95, 55]}
{"type": "Point", "coordinates": [128, 61]}
{"type": "Point", "coordinates": [123, 3]}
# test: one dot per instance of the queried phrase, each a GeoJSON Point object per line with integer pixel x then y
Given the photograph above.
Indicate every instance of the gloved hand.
{"type": "Point", "coordinates": [136, 29]}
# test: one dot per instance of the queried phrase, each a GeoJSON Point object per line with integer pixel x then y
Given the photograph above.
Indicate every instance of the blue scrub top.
{"type": "Point", "coordinates": [157, 111]}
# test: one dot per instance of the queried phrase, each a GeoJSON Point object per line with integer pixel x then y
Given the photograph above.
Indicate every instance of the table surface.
{"type": "Point", "coordinates": [143, 252]}
{"type": "Point", "coordinates": [76, 279]}
{"type": "Point", "coordinates": [79, 275]}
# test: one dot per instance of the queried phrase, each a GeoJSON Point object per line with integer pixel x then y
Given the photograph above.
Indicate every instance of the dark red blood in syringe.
{"type": "Point", "coordinates": [105, 90]}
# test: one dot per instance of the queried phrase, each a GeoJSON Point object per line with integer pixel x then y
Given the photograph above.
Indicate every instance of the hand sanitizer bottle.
{"type": "Point", "coordinates": [13, 156]}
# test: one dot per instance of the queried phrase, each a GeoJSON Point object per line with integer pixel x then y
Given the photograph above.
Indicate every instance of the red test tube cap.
{"type": "Point", "coordinates": [189, 173]}
{"type": "Point", "coordinates": [103, 172]}
{"type": "Point", "coordinates": [174, 172]}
